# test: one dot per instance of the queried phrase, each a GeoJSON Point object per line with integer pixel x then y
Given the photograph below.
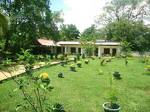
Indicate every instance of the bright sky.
{"type": "Point", "coordinates": [82, 13]}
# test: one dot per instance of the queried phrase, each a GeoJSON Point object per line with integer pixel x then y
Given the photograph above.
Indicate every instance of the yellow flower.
{"type": "Point", "coordinates": [44, 76]}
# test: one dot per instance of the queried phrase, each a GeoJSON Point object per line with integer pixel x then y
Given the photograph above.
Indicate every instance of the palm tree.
{"type": "Point", "coordinates": [3, 24]}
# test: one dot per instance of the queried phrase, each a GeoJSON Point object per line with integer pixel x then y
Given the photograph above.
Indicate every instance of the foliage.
{"type": "Point", "coordinates": [3, 24]}
{"type": "Point", "coordinates": [113, 99]}
{"type": "Point", "coordinates": [7, 62]}
{"type": "Point", "coordinates": [118, 9]}
{"type": "Point", "coordinates": [33, 21]}
{"type": "Point", "coordinates": [102, 62]}
{"type": "Point", "coordinates": [83, 56]}
{"type": "Point", "coordinates": [58, 108]}
{"type": "Point", "coordinates": [75, 59]}
{"type": "Point", "coordinates": [117, 75]}
{"type": "Point", "coordinates": [25, 57]}
{"type": "Point", "coordinates": [61, 75]}
{"type": "Point", "coordinates": [69, 32]}
{"type": "Point", "coordinates": [100, 72]}
{"type": "Point", "coordinates": [86, 61]}
{"type": "Point", "coordinates": [72, 67]}
{"type": "Point", "coordinates": [147, 68]}
{"type": "Point", "coordinates": [88, 46]}
{"type": "Point", "coordinates": [90, 33]}
{"type": "Point", "coordinates": [78, 56]}
{"type": "Point", "coordinates": [34, 100]}
{"type": "Point", "coordinates": [79, 64]}
{"type": "Point", "coordinates": [126, 48]}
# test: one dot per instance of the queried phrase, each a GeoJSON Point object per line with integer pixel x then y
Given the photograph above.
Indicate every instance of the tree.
{"type": "Point", "coordinates": [133, 32]}
{"type": "Point", "coordinates": [29, 20]}
{"type": "Point", "coordinates": [127, 9]}
{"type": "Point", "coordinates": [69, 32]}
{"type": "Point", "coordinates": [90, 33]}
{"type": "Point", "coordinates": [3, 24]}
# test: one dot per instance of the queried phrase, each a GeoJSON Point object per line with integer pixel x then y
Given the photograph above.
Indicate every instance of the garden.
{"type": "Point", "coordinates": [85, 85]}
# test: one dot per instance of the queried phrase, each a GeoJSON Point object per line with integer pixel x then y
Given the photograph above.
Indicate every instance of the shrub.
{"type": "Point", "coordinates": [100, 72]}
{"type": "Point", "coordinates": [62, 57]}
{"type": "Point", "coordinates": [117, 75]}
{"type": "Point", "coordinates": [79, 64]}
{"type": "Point", "coordinates": [147, 68]}
{"type": "Point", "coordinates": [61, 75]}
{"type": "Point", "coordinates": [58, 108]}
{"type": "Point", "coordinates": [93, 57]}
{"type": "Point", "coordinates": [108, 60]}
{"type": "Point", "coordinates": [83, 56]}
{"type": "Point", "coordinates": [75, 59]}
{"type": "Point", "coordinates": [72, 67]}
{"type": "Point", "coordinates": [78, 56]}
{"type": "Point", "coordinates": [62, 63]}
{"type": "Point", "coordinates": [86, 61]}
{"type": "Point", "coordinates": [102, 62]}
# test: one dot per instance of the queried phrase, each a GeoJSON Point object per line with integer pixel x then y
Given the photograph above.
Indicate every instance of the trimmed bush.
{"type": "Point", "coordinates": [102, 62]}
{"type": "Point", "coordinates": [93, 57]}
{"type": "Point", "coordinates": [117, 75]}
{"type": "Point", "coordinates": [75, 59]}
{"type": "Point", "coordinates": [61, 75]}
{"type": "Point", "coordinates": [100, 72]}
{"type": "Point", "coordinates": [83, 56]}
{"type": "Point", "coordinates": [79, 64]}
{"type": "Point", "coordinates": [72, 67]}
{"type": "Point", "coordinates": [86, 61]}
{"type": "Point", "coordinates": [147, 68]}
{"type": "Point", "coordinates": [58, 108]}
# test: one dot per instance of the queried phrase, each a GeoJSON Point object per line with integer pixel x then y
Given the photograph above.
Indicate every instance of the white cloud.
{"type": "Point", "coordinates": [82, 13]}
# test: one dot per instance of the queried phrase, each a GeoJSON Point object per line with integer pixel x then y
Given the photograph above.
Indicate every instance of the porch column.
{"type": "Point", "coordinates": [111, 51]}
{"type": "Point", "coordinates": [81, 51]}
{"type": "Point", "coordinates": [99, 52]}
{"type": "Point", "coordinates": [65, 49]}
{"type": "Point", "coordinates": [77, 50]}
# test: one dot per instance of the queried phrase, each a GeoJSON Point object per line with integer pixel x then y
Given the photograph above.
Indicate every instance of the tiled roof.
{"type": "Point", "coordinates": [45, 42]}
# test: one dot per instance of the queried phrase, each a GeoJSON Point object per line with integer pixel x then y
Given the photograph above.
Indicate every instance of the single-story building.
{"type": "Point", "coordinates": [102, 47]}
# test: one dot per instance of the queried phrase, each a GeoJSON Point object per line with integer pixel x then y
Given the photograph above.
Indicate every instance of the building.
{"type": "Point", "coordinates": [102, 47]}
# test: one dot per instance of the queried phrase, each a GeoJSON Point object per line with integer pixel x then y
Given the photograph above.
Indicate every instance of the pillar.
{"type": "Point", "coordinates": [99, 52]}
{"type": "Point", "coordinates": [111, 51]}
{"type": "Point", "coordinates": [65, 49]}
{"type": "Point", "coordinates": [77, 50]}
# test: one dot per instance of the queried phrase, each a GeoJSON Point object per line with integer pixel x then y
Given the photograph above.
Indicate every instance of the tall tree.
{"type": "Point", "coordinates": [92, 33]}
{"type": "Point", "coordinates": [69, 32]}
{"type": "Point", "coordinates": [128, 9]}
{"type": "Point", "coordinates": [30, 19]}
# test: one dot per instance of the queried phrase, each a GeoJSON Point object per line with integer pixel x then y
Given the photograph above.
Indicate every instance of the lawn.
{"type": "Point", "coordinates": [86, 90]}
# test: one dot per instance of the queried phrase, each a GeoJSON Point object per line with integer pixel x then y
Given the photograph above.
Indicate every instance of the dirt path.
{"type": "Point", "coordinates": [19, 69]}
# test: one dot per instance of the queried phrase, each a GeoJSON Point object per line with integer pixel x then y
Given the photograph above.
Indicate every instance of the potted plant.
{"type": "Point", "coordinates": [58, 108]}
{"type": "Point", "coordinates": [79, 64]}
{"type": "Point", "coordinates": [112, 105]}
{"type": "Point", "coordinates": [117, 75]}
{"type": "Point", "coordinates": [86, 61]}
{"type": "Point", "coordinates": [72, 67]}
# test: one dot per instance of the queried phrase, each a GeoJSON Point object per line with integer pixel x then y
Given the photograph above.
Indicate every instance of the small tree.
{"type": "Point", "coordinates": [89, 47]}
{"type": "Point", "coordinates": [33, 88]}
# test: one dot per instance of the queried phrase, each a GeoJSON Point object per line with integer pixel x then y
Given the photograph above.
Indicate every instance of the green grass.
{"type": "Point", "coordinates": [86, 91]}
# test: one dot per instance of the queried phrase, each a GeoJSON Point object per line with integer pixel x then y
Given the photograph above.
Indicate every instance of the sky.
{"type": "Point", "coordinates": [82, 13]}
